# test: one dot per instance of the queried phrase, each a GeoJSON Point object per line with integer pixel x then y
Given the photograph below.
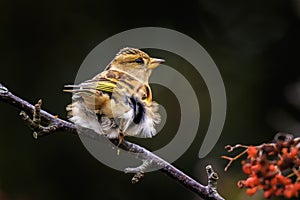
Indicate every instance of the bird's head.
{"type": "Point", "coordinates": [135, 62]}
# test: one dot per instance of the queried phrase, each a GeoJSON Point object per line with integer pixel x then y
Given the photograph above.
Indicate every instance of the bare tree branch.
{"type": "Point", "coordinates": [44, 123]}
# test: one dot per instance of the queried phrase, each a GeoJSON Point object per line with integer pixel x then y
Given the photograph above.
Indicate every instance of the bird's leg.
{"type": "Point", "coordinates": [123, 126]}
{"type": "Point", "coordinates": [121, 138]}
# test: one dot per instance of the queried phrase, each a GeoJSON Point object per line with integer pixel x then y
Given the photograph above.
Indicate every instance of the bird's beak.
{"type": "Point", "coordinates": [154, 62]}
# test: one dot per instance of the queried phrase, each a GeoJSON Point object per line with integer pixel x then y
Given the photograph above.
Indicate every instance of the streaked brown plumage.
{"type": "Point", "coordinates": [118, 101]}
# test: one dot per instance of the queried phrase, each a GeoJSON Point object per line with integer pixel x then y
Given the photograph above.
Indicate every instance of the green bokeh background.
{"type": "Point", "coordinates": [255, 45]}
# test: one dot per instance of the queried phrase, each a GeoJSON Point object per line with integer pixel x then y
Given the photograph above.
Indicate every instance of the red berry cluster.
{"type": "Point", "coordinates": [273, 167]}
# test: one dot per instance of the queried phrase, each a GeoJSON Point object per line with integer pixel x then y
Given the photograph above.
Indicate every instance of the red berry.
{"type": "Point", "coordinates": [252, 151]}
{"type": "Point", "coordinates": [251, 191]}
{"type": "Point", "coordinates": [268, 194]}
{"type": "Point", "coordinates": [247, 168]}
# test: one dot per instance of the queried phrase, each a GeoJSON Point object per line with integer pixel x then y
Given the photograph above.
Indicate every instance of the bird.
{"type": "Point", "coordinates": [118, 101]}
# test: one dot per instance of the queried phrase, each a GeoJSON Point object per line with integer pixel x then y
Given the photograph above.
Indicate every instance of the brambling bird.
{"type": "Point", "coordinates": [118, 101]}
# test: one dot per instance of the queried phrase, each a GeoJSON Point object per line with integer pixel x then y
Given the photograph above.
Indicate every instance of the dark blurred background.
{"type": "Point", "coordinates": [255, 45]}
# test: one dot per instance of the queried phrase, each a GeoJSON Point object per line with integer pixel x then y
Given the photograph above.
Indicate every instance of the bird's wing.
{"type": "Point", "coordinates": [89, 86]}
{"type": "Point", "coordinates": [95, 93]}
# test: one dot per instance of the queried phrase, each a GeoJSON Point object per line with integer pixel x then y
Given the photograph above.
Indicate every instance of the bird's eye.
{"type": "Point", "coordinates": [139, 60]}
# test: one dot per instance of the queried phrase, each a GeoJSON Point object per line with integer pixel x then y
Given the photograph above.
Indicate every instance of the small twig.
{"type": "Point", "coordinates": [232, 159]}
{"type": "Point", "coordinates": [54, 124]}
{"type": "Point", "coordinates": [212, 181]}
{"type": "Point", "coordinates": [137, 177]}
{"type": "Point", "coordinates": [140, 169]}
{"type": "Point", "coordinates": [35, 123]}
{"type": "Point", "coordinates": [37, 112]}
{"type": "Point", "coordinates": [231, 148]}
{"type": "Point", "coordinates": [296, 172]}
{"type": "Point", "coordinates": [28, 121]}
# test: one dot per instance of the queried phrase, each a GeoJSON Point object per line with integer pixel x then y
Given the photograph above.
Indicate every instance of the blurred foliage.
{"type": "Point", "coordinates": [254, 43]}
